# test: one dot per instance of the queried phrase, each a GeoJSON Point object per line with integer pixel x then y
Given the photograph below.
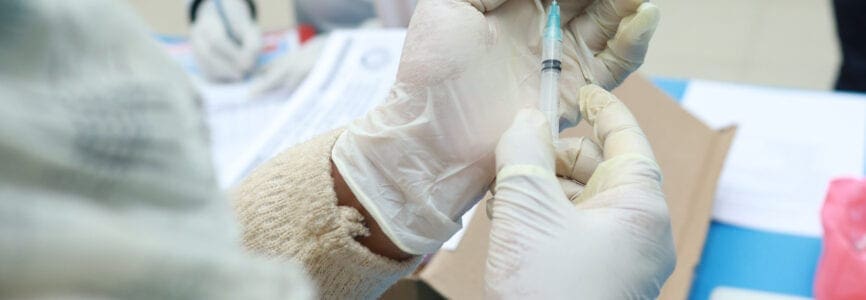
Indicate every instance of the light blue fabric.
{"type": "Point", "coordinates": [758, 260]}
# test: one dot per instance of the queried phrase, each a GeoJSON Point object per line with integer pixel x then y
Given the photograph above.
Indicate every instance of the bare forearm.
{"type": "Point", "coordinates": [377, 241]}
{"type": "Point", "coordinates": [288, 208]}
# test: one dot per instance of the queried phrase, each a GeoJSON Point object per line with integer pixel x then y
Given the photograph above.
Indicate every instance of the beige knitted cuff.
{"type": "Point", "coordinates": [288, 208]}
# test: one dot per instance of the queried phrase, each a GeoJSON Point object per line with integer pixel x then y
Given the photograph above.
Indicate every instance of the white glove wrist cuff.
{"type": "Point", "coordinates": [399, 218]}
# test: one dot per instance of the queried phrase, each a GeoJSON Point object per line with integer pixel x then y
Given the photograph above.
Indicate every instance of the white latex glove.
{"type": "Point", "coordinates": [421, 159]}
{"type": "Point", "coordinates": [220, 57]}
{"type": "Point", "coordinates": [288, 71]}
{"type": "Point", "coordinates": [552, 237]}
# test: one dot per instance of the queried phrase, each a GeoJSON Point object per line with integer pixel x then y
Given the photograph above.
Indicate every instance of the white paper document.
{"type": "Point", "coordinates": [788, 146]}
{"type": "Point", "coordinates": [353, 74]}
{"type": "Point", "coordinates": [236, 120]}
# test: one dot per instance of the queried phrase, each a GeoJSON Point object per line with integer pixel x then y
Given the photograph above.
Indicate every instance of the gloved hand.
{"type": "Point", "coordinates": [288, 71]}
{"type": "Point", "coordinates": [221, 55]}
{"type": "Point", "coordinates": [425, 156]}
{"type": "Point", "coordinates": [552, 237]}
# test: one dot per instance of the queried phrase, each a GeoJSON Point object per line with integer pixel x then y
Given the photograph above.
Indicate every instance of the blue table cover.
{"type": "Point", "coordinates": [747, 258]}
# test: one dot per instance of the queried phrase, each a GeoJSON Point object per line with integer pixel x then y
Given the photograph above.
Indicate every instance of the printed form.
{"type": "Point", "coordinates": [353, 75]}
{"type": "Point", "coordinates": [788, 146]}
{"type": "Point", "coordinates": [234, 117]}
{"type": "Point", "coordinates": [236, 121]}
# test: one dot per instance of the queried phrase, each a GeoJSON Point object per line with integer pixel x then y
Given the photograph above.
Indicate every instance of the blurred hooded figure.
{"type": "Point", "coordinates": [107, 189]}
{"type": "Point", "coordinates": [106, 186]}
{"type": "Point", "coordinates": [227, 41]}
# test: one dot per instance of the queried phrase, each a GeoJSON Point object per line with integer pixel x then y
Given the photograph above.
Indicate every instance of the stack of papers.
{"type": "Point", "coordinates": [235, 118]}
{"type": "Point", "coordinates": [353, 74]}
{"type": "Point", "coordinates": [789, 145]}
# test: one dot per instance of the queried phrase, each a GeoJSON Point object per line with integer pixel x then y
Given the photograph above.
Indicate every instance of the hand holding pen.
{"type": "Point", "coordinates": [225, 38]}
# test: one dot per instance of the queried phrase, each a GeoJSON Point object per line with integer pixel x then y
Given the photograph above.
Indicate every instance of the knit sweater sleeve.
{"type": "Point", "coordinates": [288, 208]}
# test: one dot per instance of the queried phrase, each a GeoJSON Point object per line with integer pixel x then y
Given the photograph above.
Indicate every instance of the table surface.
{"type": "Point", "coordinates": [747, 258]}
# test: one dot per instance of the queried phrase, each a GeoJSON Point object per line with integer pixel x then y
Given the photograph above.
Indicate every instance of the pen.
{"type": "Point", "coordinates": [225, 20]}
{"type": "Point", "coordinates": [551, 67]}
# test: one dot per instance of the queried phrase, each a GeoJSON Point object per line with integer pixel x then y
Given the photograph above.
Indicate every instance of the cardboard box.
{"type": "Point", "coordinates": [691, 156]}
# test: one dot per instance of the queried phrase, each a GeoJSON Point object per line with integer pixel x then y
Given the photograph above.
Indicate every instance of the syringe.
{"type": "Point", "coordinates": [551, 53]}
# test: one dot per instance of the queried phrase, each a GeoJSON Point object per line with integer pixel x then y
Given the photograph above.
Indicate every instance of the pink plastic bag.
{"type": "Point", "coordinates": [842, 269]}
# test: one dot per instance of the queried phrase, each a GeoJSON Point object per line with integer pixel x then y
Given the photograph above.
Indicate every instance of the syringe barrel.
{"type": "Point", "coordinates": [551, 49]}
{"type": "Point", "coordinates": [550, 70]}
{"type": "Point", "coordinates": [549, 104]}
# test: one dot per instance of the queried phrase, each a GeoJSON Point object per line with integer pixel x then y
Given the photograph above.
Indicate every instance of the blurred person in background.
{"type": "Point", "coordinates": [227, 41]}
{"type": "Point", "coordinates": [851, 27]}
{"type": "Point", "coordinates": [107, 189]}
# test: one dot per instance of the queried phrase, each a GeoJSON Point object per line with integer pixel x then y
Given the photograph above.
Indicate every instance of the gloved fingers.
{"type": "Point", "coordinates": [224, 48]}
{"type": "Point", "coordinates": [525, 149]}
{"type": "Point", "coordinates": [577, 158]}
{"type": "Point", "coordinates": [628, 157]}
{"type": "Point", "coordinates": [614, 127]}
{"type": "Point", "coordinates": [626, 51]}
{"type": "Point", "coordinates": [210, 34]}
{"type": "Point", "coordinates": [278, 77]}
{"type": "Point", "coordinates": [485, 5]}
{"type": "Point", "coordinates": [291, 69]}
{"type": "Point", "coordinates": [240, 39]}
{"type": "Point", "coordinates": [273, 78]}
{"type": "Point", "coordinates": [569, 9]}
{"type": "Point", "coordinates": [217, 68]}
{"type": "Point", "coordinates": [631, 172]}
{"type": "Point", "coordinates": [527, 191]}
{"type": "Point", "coordinates": [579, 68]}
{"type": "Point", "coordinates": [250, 49]}
{"type": "Point", "coordinates": [226, 41]}
{"type": "Point", "coordinates": [572, 189]}
{"type": "Point", "coordinates": [526, 146]}
{"type": "Point", "coordinates": [601, 20]}
{"type": "Point", "coordinates": [216, 55]}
